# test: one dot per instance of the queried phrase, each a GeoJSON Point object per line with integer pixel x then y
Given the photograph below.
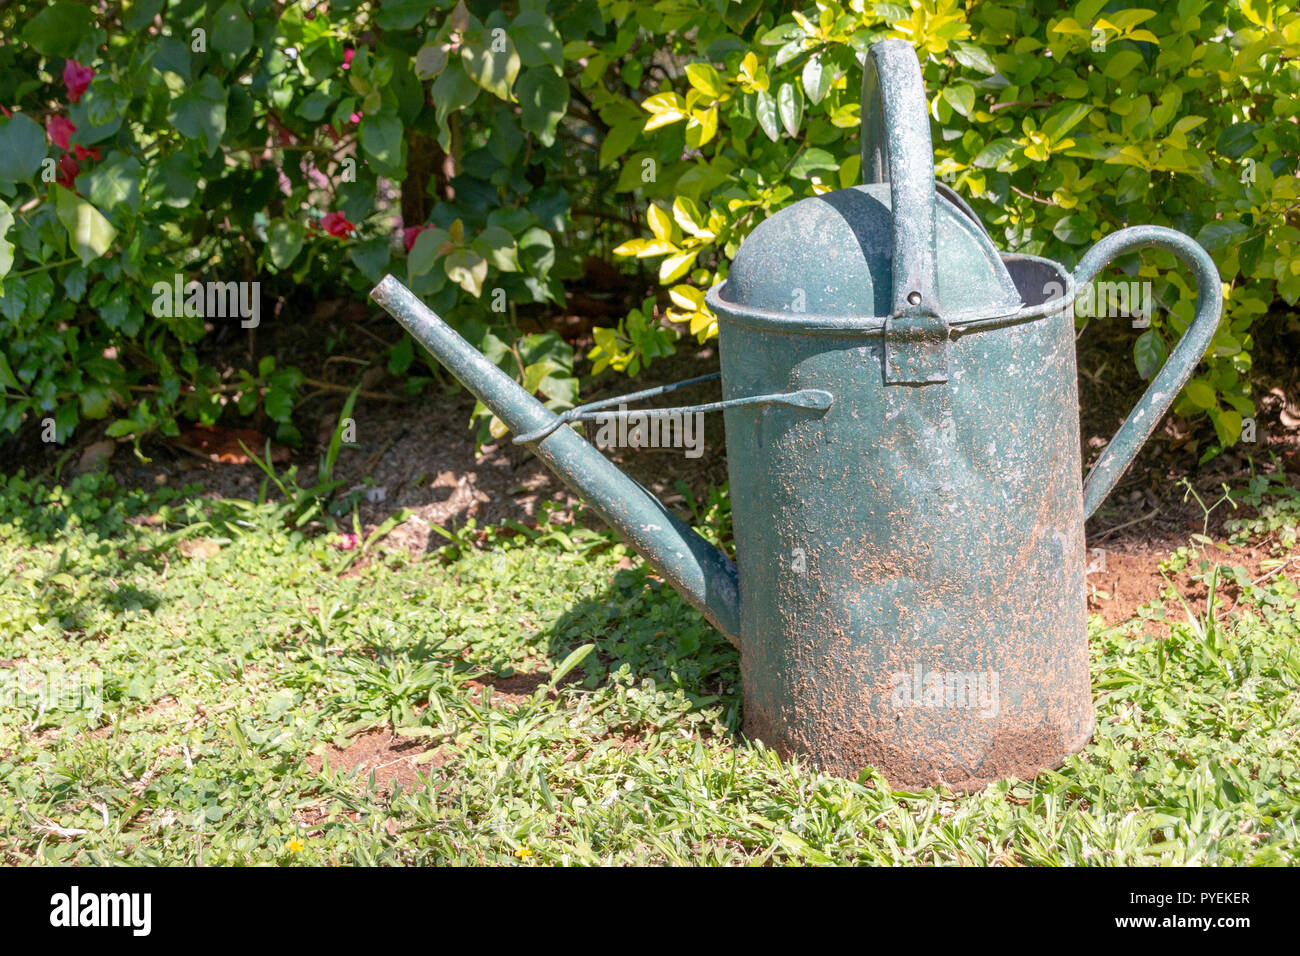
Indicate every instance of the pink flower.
{"type": "Point", "coordinates": [347, 58]}
{"type": "Point", "coordinates": [6, 112]}
{"type": "Point", "coordinates": [77, 79]}
{"type": "Point", "coordinates": [347, 542]}
{"type": "Point", "coordinates": [69, 170]}
{"type": "Point", "coordinates": [59, 129]}
{"type": "Point", "coordinates": [336, 224]}
{"type": "Point", "coordinates": [410, 233]}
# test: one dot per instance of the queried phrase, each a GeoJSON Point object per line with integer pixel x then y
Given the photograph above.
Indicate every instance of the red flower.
{"type": "Point", "coordinates": [77, 79]}
{"type": "Point", "coordinates": [336, 224]}
{"type": "Point", "coordinates": [59, 129]}
{"type": "Point", "coordinates": [347, 58]}
{"type": "Point", "coordinates": [69, 170]}
{"type": "Point", "coordinates": [83, 152]}
{"type": "Point", "coordinates": [410, 233]}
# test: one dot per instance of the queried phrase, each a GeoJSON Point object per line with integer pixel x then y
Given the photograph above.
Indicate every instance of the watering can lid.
{"type": "Point", "coordinates": [899, 245]}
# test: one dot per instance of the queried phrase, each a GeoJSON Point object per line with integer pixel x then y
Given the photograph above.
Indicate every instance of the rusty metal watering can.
{"type": "Point", "coordinates": [901, 412]}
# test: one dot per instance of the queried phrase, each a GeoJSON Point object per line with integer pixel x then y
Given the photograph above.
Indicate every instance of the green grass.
{"type": "Point", "coordinates": [223, 672]}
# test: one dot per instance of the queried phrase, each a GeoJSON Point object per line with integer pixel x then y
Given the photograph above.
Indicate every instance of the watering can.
{"type": "Point", "coordinates": [901, 411]}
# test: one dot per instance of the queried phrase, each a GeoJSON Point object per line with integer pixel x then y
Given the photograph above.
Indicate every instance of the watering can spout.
{"type": "Point", "coordinates": [703, 575]}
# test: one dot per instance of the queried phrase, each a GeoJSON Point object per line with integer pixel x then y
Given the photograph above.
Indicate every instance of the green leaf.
{"type": "Point", "coordinates": [1236, 140]}
{"type": "Point", "coordinates": [491, 60]}
{"type": "Point", "coordinates": [89, 232]}
{"type": "Point", "coordinates": [974, 57]}
{"type": "Point", "coordinates": [1248, 254]}
{"type": "Point", "coordinates": [1200, 393]}
{"type": "Point", "coordinates": [687, 215]}
{"type": "Point", "coordinates": [400, 14]}
{"type": "Point", "coordinates": [1121, 64]}
{"type": "Point", "coordinates": [619, 140]}
{"type": "Point", "coordinates": [537, 40]}
{"type": "Point", "coordinates": [232, 33]}
{"type": "Point", "coordinates": [811, 161]}
{"type": "Point", "coordinates": [430, 60]}
{"type": "Point", "coordinates": [1064, 119]}
{"type": "Point", "coordinates": [543, 98]}
{"type": "Point", "coordinates": [96, 400]}
{"type": "Point", "coordinates": [177, 177]}
{"type": "Point", "coordinates": [371, 257]}
{"type": "Point", "coordinates": [765, 113]}
{"type": "Point", "coordinates": [706, 79]}
{"type": "Point", "coordinates": [200, 113]}
{"type": "Point", "coordinates": [381, 140]}
{"type": "Point", "coordinates": [284, 241]}
{"type": "Point", "coordinates": [789, 104]}
{"type": "Point", "coordinates": [497, 246]}
{"type": "Point", "coordinates": [960, 97]}
{"type": "Point", "coordinates": [467, 269]}
{"type": "Point", "coordinates": [278, 403]}
{"type": "Point", "coordinates": [7, 379]}
{"type": "Point", "coordinates": [569, 663]}
{"type": "Point", "coordinates": [59, 28]}
{"type": "Point", "coordinates": [424, 253]}
{"type": "Point", "coordinates": [781, 34]}
{"type": "Point", "coordinates": [537, 251]}
{"type": "Point", "coordinates": [1220, 235]}
{"type": "Point", "coordinates": [114, 182]}
{"type": "Point", "coordinates": [1075, 229]}
{"type": "Point", "coordinates": [1227, 425]}
{"type": "Point", "coordinates": [992, 154]}
{"type": "Point", "coordinates": [6, 247]}
{"type": "Point", "coordinates": [676, 266]}
{"type": "Point", "coordinates": [816, 79]}
{"type": "Point", "coordinates": [1149, 353]}
{"type": "Point", "coordinates": [452, 90]}
{"type": "Point", "coordinates": [22, 147]}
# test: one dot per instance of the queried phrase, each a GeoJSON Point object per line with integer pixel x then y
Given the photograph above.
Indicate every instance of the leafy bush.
{"type": "Point", "coordinates": [480, 151]}
{"type": "Point", "coordinates": [269, 142]}
{"type": "Point", "coordinates": [1058, 125]}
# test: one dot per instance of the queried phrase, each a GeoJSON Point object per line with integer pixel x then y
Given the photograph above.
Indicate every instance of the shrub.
{"type": "Point", "coordinates": [269, 142]}
{"type": "Point", "coordinates": [479, 150]}
{"type": "Point", "coordinates": [1058, 126]}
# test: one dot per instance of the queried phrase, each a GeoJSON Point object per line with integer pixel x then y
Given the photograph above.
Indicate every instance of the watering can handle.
{"type": "Point", "coordinates": [1169, 381]}
{"type": "Point", "coordinates": [896, 149]}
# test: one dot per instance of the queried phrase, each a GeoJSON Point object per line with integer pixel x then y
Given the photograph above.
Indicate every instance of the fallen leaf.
{"type": "Point", "coordinates": [220, 444]}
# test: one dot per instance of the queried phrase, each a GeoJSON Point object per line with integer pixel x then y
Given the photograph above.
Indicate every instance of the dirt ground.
{"type": "Point", "coordinates": [418, 452]}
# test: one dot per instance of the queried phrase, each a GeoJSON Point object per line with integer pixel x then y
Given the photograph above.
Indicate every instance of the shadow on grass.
{"type": "Point", "coordinates": [641, 624]}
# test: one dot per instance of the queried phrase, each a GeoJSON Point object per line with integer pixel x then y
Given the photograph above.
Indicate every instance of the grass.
{"type": "Point", "coordinates": [236, 653]}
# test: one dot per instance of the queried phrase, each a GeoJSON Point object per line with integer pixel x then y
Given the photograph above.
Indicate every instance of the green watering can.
{"type": "Point", "coordinates": [901, 412]}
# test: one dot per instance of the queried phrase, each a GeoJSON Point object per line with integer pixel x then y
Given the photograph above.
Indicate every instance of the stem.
{"type": "Point", "coordinates": [48, 265]}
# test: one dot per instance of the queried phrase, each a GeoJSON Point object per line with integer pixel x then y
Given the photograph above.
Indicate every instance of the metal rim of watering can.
{"type": "Point", "coordinates": [815, 323]}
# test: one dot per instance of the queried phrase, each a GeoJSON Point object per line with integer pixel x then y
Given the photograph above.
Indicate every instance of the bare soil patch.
{"type": "Point", "coordinates": [394, 760]}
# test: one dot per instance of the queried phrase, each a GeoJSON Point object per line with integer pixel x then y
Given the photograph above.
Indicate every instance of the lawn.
{"type": "Point", "coordinates": [542, 698]}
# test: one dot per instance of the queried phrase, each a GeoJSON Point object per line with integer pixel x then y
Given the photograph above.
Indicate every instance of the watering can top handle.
{"type": "Point", "coordinates": [1169, 381]}
{"type": "Point", "coordinates": [896, 149]}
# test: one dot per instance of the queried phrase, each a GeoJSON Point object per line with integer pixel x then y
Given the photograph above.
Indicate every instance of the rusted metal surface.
{"type": "Point", "coordinates": [911, 556]}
